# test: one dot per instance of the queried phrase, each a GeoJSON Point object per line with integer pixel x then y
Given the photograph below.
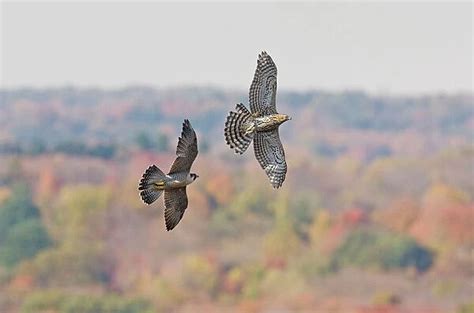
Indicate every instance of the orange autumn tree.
{"type": "Point", "coordinates": [399, 216]}
{"type": "Point", "coordinates": [445, 220]}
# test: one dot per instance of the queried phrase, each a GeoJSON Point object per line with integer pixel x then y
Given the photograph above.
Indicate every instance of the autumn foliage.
{"type": "Point", "coordinates": [376, 213]}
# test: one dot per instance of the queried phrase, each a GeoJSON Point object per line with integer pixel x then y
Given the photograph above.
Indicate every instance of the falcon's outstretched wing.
{"type": "Point", "coordinates": [176, 202]}
{"type": "Point", "coordinates": [264, 86]}
{"type": "Point", "coordinates": [186, 150]}
{"type": "Point", "coordinates": [271, 156]}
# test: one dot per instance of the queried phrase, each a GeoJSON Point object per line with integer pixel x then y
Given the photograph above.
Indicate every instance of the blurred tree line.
{"type": "Point", "coordinates": [380, 190]}
{"type": "Point", "coordinates": [105, 121]}
{"type": "Point", "coordinates": [63, 241]}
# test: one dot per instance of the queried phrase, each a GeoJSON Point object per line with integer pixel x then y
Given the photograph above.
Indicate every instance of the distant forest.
{"type": "Point", "coordinates": [375, 214]}
{"type": "Point", "coordinates": [106, 122]}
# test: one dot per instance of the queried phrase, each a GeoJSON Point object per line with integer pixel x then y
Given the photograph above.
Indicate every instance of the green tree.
{"type": "Point", "coordinates": [105, 151]}
{"type": "Point", "coordinates": [53, 301]}
{"type": "Point", "coordinates": [318, 230]}
{"type": "Point", "coordinates": [72, 265]}
{"type": "Point", "coordinates": [81, 213]}
{"type": "Point", "coordinates": [302, 207]}
{"type": "Point", "coordinates": [22, 235]}
{"type": "Point", "coordinates": [162, 143]}
{"type": "Point", "coordinates": [200, 274]}
{"type": "Point", "coordinates": [72, 147]}
{"type": "Point", "coordinates": [466, 308]}
{"type": "Point", "coordinates": [23, 241]}
{"type": "Point", "coordinates": [282, 242]}
{"type": "Point", "coordinates": [204, 146]}
{"type": "Point", "coordinates": [144, 141]}
{"type": "Point", "coordinates": [79, 227]}
{"type": "Point", "coordinates": [382, 249]}
{"type": "Point", "coordinates": [37, 146]}
{"type": "Point", "coordinates": [18, 208]}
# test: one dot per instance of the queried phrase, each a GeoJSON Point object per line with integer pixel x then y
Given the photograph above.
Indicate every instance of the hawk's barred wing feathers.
{"type": "Point", "coordinates": [263, 89]}
{"type": "Point", "coordinates": [271, 156]}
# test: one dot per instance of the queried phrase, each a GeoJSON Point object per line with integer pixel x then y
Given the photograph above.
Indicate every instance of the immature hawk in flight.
{"type": "Point", "coordinates": [154, 181]}
{"type": "Point", "coordinates": [262, 124]}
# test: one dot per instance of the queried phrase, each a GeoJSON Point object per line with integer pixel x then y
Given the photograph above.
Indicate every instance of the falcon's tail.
{"type": "Point", "coordinates": [151, 185]}
{"type": "Point", "coordinates": [239, 129]}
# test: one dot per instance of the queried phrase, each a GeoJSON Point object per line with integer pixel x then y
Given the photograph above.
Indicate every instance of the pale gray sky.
{"type": "Point", "coordinates": [401, 48]}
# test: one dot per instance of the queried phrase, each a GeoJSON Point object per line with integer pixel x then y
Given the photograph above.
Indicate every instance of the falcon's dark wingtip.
{"type": "Point", "coordinates": [171, 219]}
{"type": "Point", "coordinates": [186, 127]}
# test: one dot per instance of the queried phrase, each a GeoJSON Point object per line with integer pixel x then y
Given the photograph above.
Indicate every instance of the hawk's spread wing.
{"type": "Point", "coordinates": [264, 86]}
{"type": "Point", "coordinates": [271, 156]}
{"type": "Point", "coordinates": [176, 202]}
{"type": "Point", "coordinates": [186, 150]}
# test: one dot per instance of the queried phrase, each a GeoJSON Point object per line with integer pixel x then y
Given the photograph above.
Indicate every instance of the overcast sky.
{"type": "Point", "coordinates": [398, 48]}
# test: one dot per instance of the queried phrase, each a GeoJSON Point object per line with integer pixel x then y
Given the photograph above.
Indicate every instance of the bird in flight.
{"type": "Point", "coordinates": [261, 124]}
{"type": "Point", "coordinates": [154, 181]}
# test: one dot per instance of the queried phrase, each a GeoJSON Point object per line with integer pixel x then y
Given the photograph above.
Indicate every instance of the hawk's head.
{"type": "Point", "coordinates": [281, 118]}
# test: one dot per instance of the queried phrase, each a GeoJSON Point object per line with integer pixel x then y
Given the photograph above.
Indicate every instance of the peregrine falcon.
{"type": "Point", "coordinates": [154, 181]}
{"type": "Point", "coordinates": [261, 124]}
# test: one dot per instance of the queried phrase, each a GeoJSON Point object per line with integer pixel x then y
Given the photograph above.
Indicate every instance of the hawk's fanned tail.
{"type": "Point", "coordinates": [239, 129]}
{"type": "Point", "coordinates": [149, 184]}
